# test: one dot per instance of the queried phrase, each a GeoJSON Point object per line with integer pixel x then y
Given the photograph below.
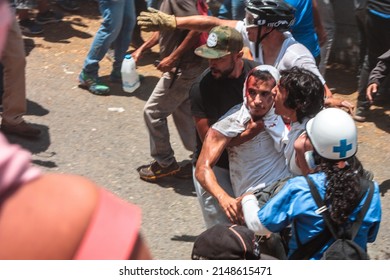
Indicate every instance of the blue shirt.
{"type": "Point", "coordinates": [303, 29]}
{"type": "Point", "coordinates": [295, 202]}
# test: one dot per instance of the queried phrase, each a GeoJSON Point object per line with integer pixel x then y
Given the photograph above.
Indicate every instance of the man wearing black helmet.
{"type": "Point", "coordinates": [264, 31]}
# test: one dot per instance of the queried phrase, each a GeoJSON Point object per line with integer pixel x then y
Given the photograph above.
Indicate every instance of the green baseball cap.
{"type": "Point", "coordinates": [222, 40]}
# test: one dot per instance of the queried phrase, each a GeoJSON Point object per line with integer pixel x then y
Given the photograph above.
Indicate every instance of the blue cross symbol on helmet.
{"type": "Point", "coordinates": [343, 148]}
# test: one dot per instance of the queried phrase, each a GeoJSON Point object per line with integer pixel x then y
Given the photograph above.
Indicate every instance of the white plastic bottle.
{"type": "Point", "coordinates": [130, 77]}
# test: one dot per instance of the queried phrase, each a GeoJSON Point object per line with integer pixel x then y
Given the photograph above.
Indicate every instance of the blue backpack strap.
{"type": "Point", "coordinates": [307, 250]}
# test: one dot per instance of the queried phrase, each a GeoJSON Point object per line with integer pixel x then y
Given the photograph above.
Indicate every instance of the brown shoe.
{"type": "Point", "coordinates": [154, 171]}
{"type": "Point", "coordinates": [22, 129]}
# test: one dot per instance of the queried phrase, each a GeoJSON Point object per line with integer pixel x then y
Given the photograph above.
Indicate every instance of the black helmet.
{"type": "Point", "coordinates": [272, 13]}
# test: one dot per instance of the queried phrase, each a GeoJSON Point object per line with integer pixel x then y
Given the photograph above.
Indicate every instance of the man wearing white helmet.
{"type": "Point", "coordinates": [333, 136]}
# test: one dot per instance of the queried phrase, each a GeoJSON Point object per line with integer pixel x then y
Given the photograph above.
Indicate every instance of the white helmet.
{"type": "Point", "coordinates": [333, 134]}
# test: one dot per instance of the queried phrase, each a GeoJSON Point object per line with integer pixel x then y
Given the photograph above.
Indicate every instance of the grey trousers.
{"type": "Point", "coordinates": [165, 101]}
{"type": "Point", "coordinates": [213, 213]}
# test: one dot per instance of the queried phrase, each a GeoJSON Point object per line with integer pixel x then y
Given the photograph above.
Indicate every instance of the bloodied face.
{"type": "Point", "coordinates": [259, 96]}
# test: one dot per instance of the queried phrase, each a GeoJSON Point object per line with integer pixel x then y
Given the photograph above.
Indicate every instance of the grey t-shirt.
{"type": "Point", "coordinates": [170, 40]}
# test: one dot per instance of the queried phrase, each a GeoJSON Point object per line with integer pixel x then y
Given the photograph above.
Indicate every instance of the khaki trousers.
{"type": "Point", "coordinates": [14, 62]}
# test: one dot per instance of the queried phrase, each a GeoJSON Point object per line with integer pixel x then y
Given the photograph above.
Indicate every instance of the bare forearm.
{"type": "Point", "coordinates": [202, 23]}
{"type": "Point", "coordinates": [206, 177]}
{"type": "Point", "coordinates": [213, 146]}
{"type": "Point", "coordinates": [253, 128]}
{"type": "Point", "coordinates": [150, 43]}
{"type": "Point", "coordinates": [189, 41]}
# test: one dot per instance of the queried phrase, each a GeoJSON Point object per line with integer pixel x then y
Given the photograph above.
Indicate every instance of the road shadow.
{"type": "Point", "coordinates": [29, 45]}
{"type": "Point", "coordinates": [63, 31]}
{"type": "Point", "coordinates": [147, 86]}
{"type": "Point", "coordinates": [184, 238]}
{"type": "Point", "coordinates": [143, 92]}
{"type": "Point", "coordinates": [35, 109]}
{"type": "Point", "coordinates": [36, 146]}
{"type": "Point", "coordinates": [379, 116]}
{"type": "Point", "coordinates": [384, 187]}
{"type": "Point", "coordinates": [379, 112]}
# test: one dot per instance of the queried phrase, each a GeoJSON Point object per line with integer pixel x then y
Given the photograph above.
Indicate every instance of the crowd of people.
{"type": "Point", "coordinates": [247, 93]}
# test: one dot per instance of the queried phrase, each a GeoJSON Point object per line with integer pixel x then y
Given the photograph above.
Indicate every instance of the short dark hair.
{"type": "Point", "coordinates": [262, 75]}
{"type": "Point", "coordinates": [305, 92]}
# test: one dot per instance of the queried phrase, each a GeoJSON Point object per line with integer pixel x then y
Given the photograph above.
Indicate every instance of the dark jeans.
{"type": "Point", "coordinates": [360, 16]}
{"type": "Point", "coordinates": [378, 42]}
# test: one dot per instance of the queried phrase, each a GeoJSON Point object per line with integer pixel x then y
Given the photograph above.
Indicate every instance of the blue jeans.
{"type": "Point", "coordinates": [117, 27]}
{"type": "Point", "coordinates": [232, 9]}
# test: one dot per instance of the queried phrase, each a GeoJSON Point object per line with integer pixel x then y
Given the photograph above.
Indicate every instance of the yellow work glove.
{"type": "Point", "coordinates": [154, 20]}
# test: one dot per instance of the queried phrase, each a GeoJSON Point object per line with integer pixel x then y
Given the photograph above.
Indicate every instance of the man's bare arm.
{"type": "Point", "coordinates": [253, 128]}
{"type": "Point", "coordinates": [155, 20]}
{"type": "Point", "coordinates": [202, 126]}
{"type": "Point", "coordinates": [150, 43]}
{"type": "Point", "coordinates": [191, 39]}
{"type": "Point", "coordinates": [202, 23]}
{"type": "Point", "coordinates": [213, 146]}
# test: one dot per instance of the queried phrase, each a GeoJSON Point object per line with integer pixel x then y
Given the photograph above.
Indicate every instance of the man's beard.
{"type": "Point", "coordinates": [223, 74]}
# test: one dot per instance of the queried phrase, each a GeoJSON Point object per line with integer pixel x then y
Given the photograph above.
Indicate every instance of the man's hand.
{"type": "Point", "coordinates": [340, 103]}
{"type": "Point", "coordinates": [137, 54]}
{"type": "Point", "coordinates": [254, 127]}
{"type": "Point", "coordinates": [154, 20]}
{"type": "Point", "coordinates": [166, 65]}
{"type": "Point", "coordinates": [371, 91]}
{"type": "Point", "coordinates": [232, 208]}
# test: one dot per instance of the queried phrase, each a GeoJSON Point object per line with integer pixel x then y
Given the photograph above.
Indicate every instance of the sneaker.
{"type": "Point", "coordinates": [30, 27]}
{"type": "Point", "coordinates": [360, 114]}
{"type": "Point", "coordinates": [22, 129]}
{"type": "Point", "coordinates": [185, 171]}
{"type": "Point", "coordinates": [93, 84]}
{"type": "Point", "coordinates": [68, 5]}
{"type": "Point", "coordinates": [48, 17]}
{"type": "Point", "coordinates": [154, 171]}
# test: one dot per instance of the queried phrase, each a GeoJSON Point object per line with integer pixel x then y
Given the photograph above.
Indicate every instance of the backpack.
{"type": "Point", "coordinates": [344, 247]}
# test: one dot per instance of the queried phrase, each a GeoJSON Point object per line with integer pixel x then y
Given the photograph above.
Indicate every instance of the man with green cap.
{"type": "Point", "coordinates": [217, 90]}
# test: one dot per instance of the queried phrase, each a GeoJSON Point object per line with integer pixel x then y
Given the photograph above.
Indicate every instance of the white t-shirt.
{"type": "Point", "coordinates": [259, 161]}
{"type": "Point", "coordinates": [291, 53]}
